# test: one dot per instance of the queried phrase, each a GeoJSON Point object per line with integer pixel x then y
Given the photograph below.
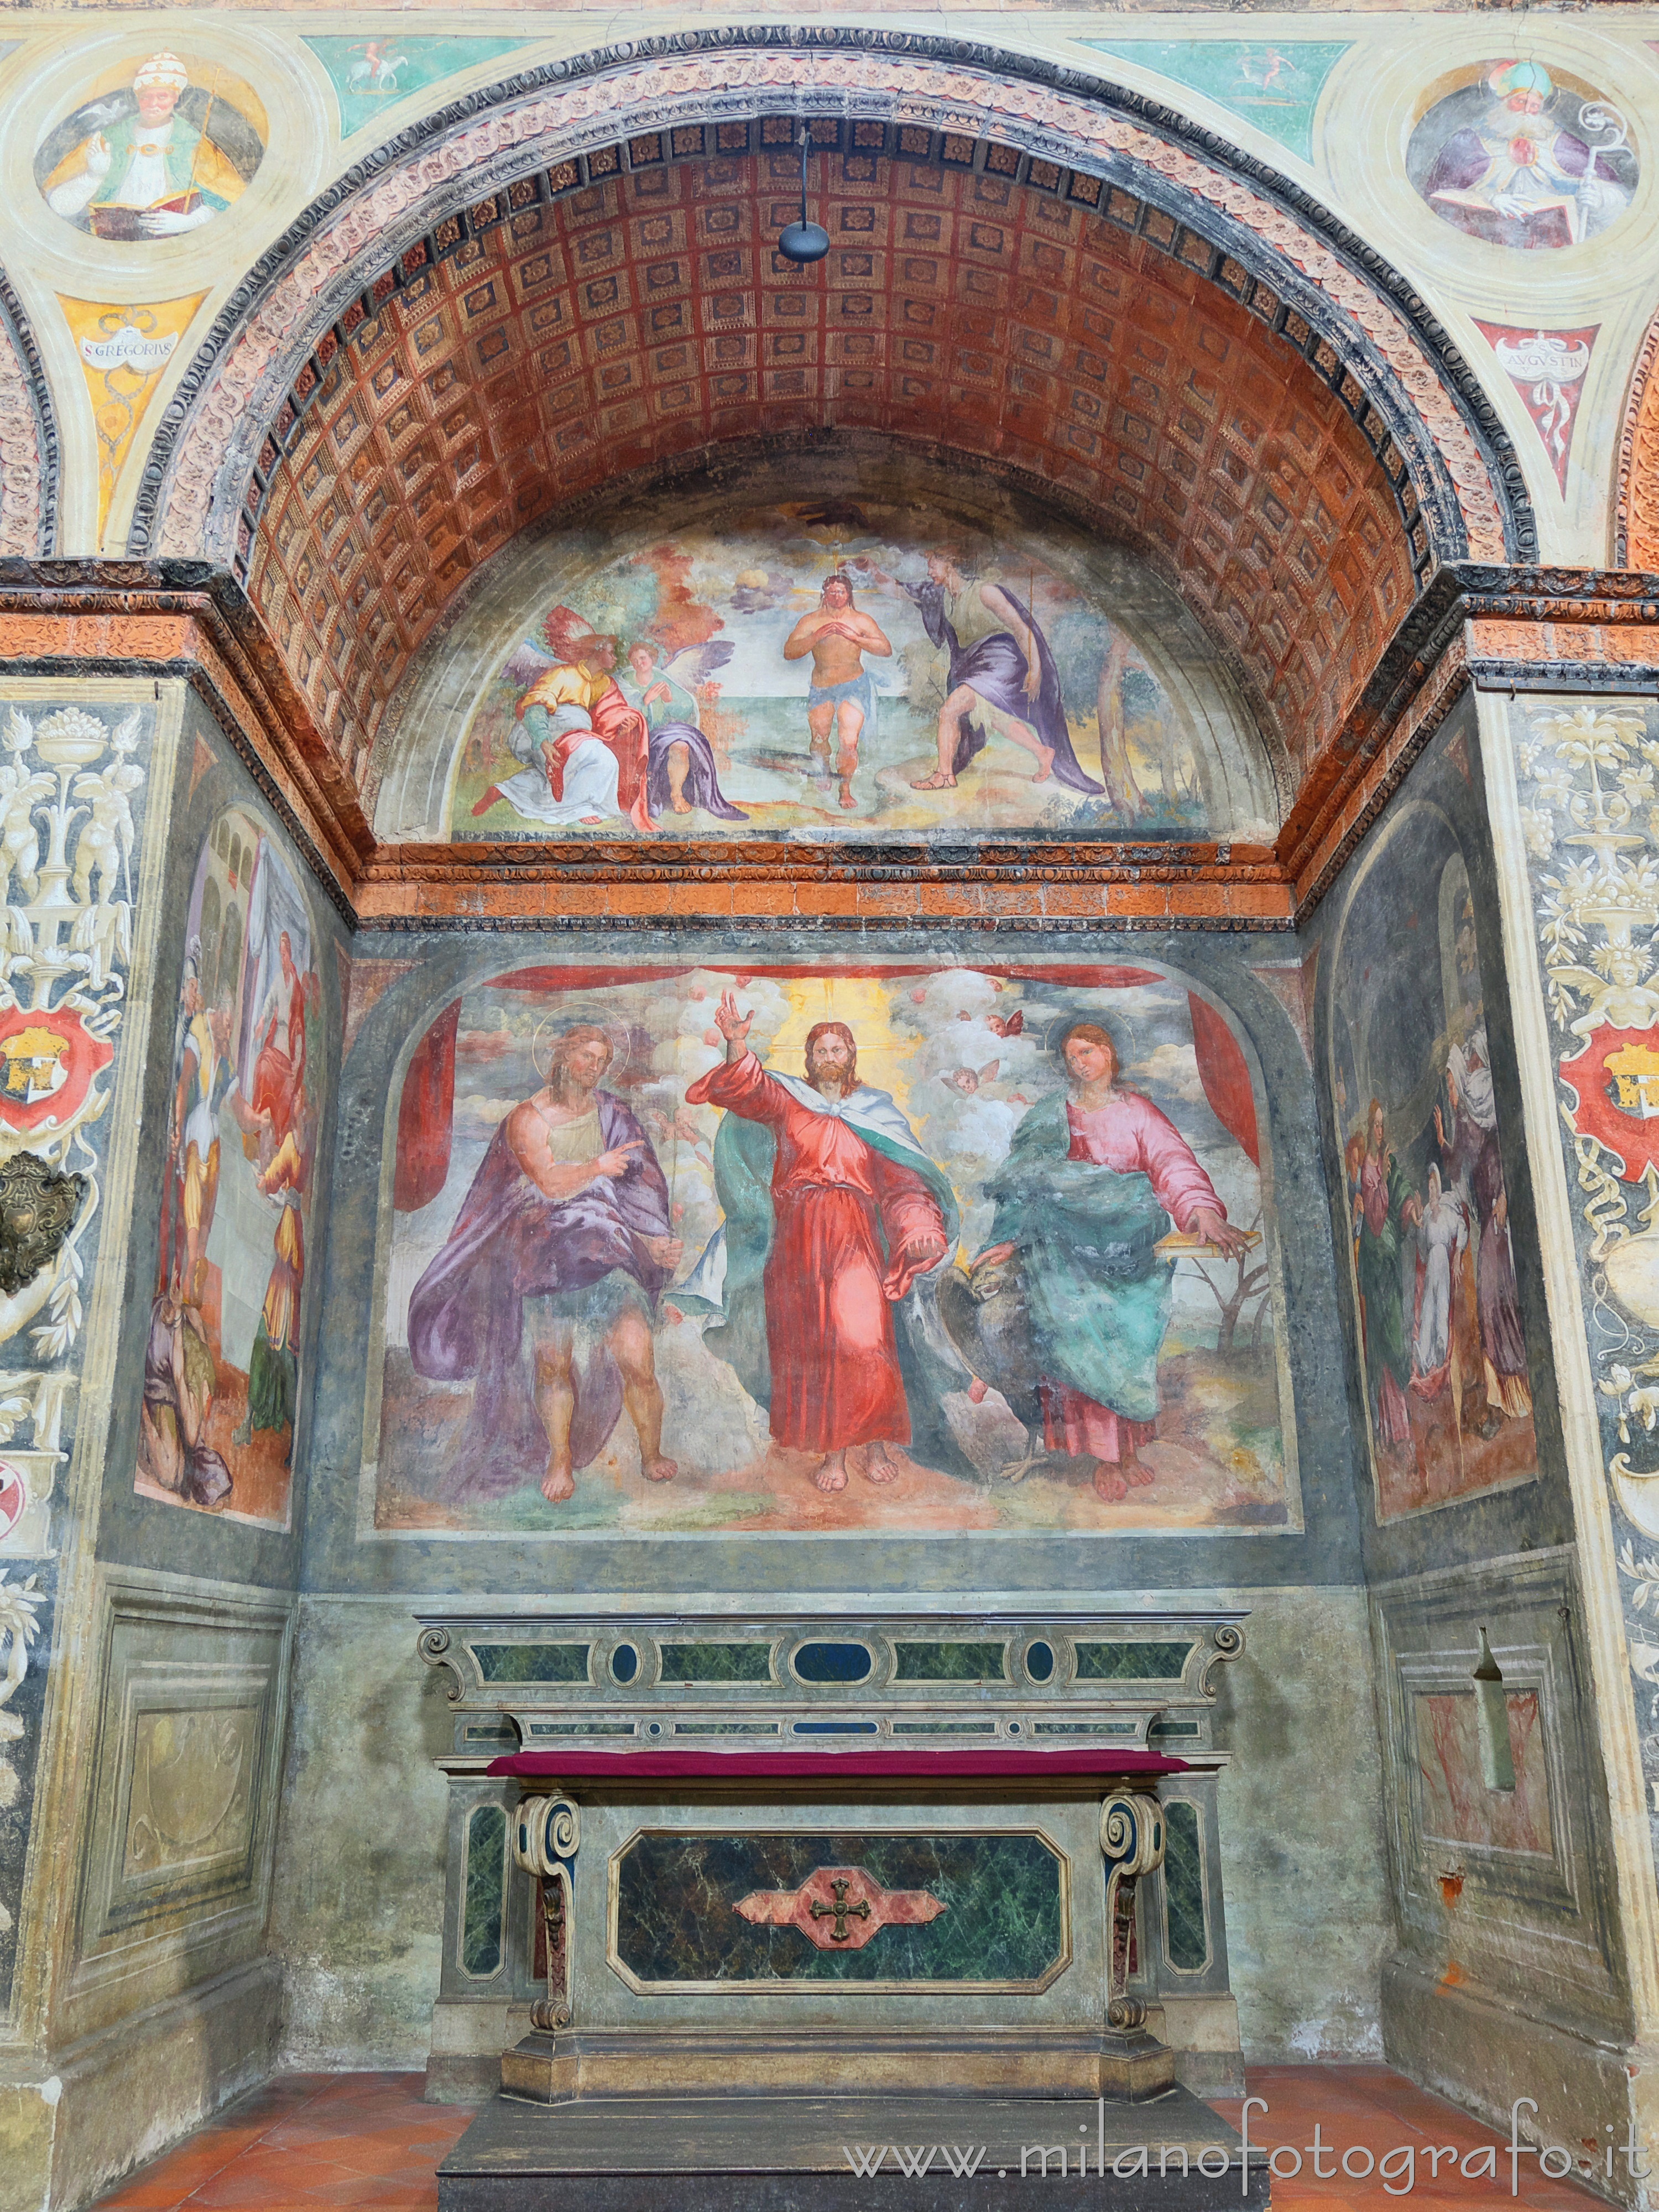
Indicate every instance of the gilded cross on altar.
{"type": "Point", "coordinates": [840, 1910]}
{"type": "Point", "coordinates": [831, 1898]}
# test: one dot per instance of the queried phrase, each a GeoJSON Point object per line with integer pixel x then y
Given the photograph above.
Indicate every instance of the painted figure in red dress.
{"type": "Point", "coordinates": [279, 1071]}
{"type": "Point", "coordinates": [859, 1214]}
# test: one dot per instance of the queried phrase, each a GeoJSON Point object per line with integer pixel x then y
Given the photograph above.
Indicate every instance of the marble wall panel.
{"type": "Point", "coordinates": [175, 1876]}
{"type": "Point", "coordinates": [1505, 1876]}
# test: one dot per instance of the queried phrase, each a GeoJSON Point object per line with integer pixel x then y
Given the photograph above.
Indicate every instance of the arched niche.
{"type": "Point", "coordinates": [1299, 522]}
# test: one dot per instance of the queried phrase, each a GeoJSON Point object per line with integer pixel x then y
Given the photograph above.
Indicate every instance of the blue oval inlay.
{"type": "Point", "coordinates": [655, 1729]}
{"type": "Point", "coordinates": [624, 1662]}
{"type": "Point", "coordinates": [1013, 1727]}
{"type": "Point", "coordinates": [834, 1728]}
{"type": "Point", "coordinates": [1040, 1662]}
{"type": "Point", "coordinates": [832, 1663]}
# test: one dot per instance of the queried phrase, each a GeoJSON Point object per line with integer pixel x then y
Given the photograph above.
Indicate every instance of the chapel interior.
{"type": "Point", "coordinates": [829, 1094]}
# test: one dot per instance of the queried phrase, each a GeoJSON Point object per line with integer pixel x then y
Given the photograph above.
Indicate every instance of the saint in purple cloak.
{"type": "Point", "coordinates": [1509, 169]}
{"type": "Point", "coordinates": [1001, 674]}
{"type": "Point", "coordinates": [546, 1294]}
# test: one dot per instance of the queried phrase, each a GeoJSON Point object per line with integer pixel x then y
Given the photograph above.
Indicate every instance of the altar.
{"type": "Point", "coordinates": [690, 1856]}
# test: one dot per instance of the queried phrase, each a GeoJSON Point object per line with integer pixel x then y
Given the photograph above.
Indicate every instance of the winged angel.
{"type": "Point", "coordinates": [596, 745]}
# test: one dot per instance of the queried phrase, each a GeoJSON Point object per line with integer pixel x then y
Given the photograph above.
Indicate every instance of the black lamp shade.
{"type": "Point", "coordinates": [804, 241]}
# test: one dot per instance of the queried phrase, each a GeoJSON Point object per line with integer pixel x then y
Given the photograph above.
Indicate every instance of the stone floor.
{"type": "Point", "coordinates": [308, 2141]}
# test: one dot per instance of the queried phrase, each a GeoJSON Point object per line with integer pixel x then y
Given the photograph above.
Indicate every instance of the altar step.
{"type": "Point", "coordinates": [844, 2154]}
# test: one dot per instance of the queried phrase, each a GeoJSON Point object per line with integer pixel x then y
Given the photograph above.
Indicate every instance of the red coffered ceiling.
{"type": "Point", "coordinates": [608, 317]}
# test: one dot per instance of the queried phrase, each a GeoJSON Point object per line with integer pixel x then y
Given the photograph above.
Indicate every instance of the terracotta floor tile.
{"type": "Point", "coordinates": [315, 2141]}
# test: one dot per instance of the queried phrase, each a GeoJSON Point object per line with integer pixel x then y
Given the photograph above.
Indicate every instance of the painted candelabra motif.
{"type": "Point", "coordinates": [66, 842]}
{"type": "Point", "coordinates": [1589, 785]}
{"type": "Point", "coordinates": [831, 1245]}
{"type": "Point", "coordinates": [850, 666]}
{"type": "Point", "coordinates": [250, 1074]}
{"type": "Point", "coordinates": [1442, 1349]}
{"type": "Point", "coordinates": [1525, 158]}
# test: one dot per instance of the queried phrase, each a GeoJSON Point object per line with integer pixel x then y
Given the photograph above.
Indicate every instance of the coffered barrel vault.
{"type": "Point", "coordinates": [613, 314]}
{"type": "Point", "coordinates": [1171, 341]}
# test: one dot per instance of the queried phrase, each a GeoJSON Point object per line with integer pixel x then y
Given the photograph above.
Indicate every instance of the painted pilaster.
{"type": "Point", "coordinates": [88, 768]}
{"type": "Point", "coordinates": [1574, 822]}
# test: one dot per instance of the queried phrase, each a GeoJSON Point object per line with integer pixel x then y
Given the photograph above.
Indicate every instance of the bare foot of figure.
{"type": "Point", "coordinates": [560, 1480]}
{"type": "Point", "coordinates": [847, 798]}
{"type": "Point", "coordinates": [877, 1467]}
{"type": "Point", "coordinates": [831, 1474]}
{"type": "Point", "coordinates": [1134, 1473]}
{"type": "Point", "coordinates": [1109, 1483]}
{"type": "Point", "coordinates": [660, 1469]}
{"type": "Point", "coordinates": [1045, 764]}
{"type": "Point", "coordinates": [937, 781]}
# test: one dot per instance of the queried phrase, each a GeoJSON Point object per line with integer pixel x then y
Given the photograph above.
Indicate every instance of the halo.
{"type": "Point", "coordinates": [618, 1034]}
{"type": "Point", "coordinates": [1117, 1026]}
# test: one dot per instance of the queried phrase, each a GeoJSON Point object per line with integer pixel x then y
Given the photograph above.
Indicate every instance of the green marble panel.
{"type": "Point", "coordinates": [486, 1874]}
{"type": "Point", "coordinates": [1135, 1662]}
{"type": "Point", "coordinates": [716, 1662]}
{"type": "Point", "coordinates": [1184, 1885]}
{"type": "Point", "coordinates": [677, 1896]}
{"type": "Point", "coordinates": [950, 1662]}
{"type": "Point", "coordinates": [532, 1663]}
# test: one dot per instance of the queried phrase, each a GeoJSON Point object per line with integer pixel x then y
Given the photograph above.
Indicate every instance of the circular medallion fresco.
{"type": "Point", "coordinates": [155, 147]}
{"type": "Point", "coordinates": [1523, 157]}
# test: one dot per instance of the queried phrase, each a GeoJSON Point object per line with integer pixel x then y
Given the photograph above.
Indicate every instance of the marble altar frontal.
{"type": "Point", "coordinates": [719, 1842]}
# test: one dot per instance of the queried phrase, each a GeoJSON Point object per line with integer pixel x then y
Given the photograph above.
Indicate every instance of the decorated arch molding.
{"type": "Point", "coordinates": [1358, 320]}
{"type": "Point", "coordinates": [1635, 521]}
{"type": "Point", "coordinates": [28, 438]}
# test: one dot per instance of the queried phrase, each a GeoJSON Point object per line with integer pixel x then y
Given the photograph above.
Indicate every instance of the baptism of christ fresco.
{"type": "Point", "coordinates": [855, 667]}
{"type": "Point", "coordinates": [868, 1246]}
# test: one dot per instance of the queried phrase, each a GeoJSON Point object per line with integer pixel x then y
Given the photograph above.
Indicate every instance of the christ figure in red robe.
{"type": "Point", "coordinates": [854, 1227]}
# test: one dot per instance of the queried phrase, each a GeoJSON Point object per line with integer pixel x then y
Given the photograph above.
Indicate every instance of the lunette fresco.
{"type": "Point", "coordinates": [849, 666]}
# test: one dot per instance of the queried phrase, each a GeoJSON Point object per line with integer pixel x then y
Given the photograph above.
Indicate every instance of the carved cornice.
{"type": "Point", "coordinates": [188, 618]}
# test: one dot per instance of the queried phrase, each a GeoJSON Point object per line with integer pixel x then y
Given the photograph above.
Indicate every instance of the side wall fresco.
{"type": "Point", "coordinates": [174, 1637]}
{"type": "Point", "coordinates": [1504, 1885]}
